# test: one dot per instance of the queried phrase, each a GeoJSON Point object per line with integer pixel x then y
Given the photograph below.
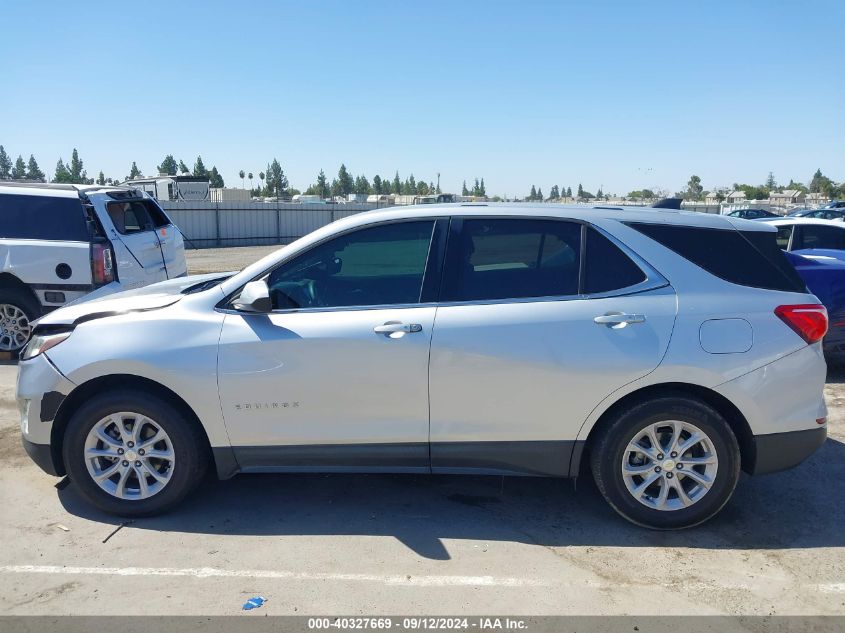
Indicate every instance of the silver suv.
{"type": "Point", "coordinates": [662, 350]}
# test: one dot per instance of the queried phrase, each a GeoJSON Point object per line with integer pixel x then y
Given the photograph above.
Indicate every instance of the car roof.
{"type": "Point", "coordinates": [57, 189]}
{"type": "Point", "coordinates": [565, 211]}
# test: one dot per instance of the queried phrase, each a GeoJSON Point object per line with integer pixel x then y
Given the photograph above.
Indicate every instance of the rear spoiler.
{"type": "Point", "coordinates": [668, 203]}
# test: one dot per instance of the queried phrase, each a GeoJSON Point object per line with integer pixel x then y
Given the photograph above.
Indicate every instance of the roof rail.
{"type": "Point", "coordinates": [38, 185]}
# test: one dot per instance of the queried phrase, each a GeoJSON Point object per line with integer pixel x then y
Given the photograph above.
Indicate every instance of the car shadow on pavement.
{"type": "Point", "coordinates": [799, 508]}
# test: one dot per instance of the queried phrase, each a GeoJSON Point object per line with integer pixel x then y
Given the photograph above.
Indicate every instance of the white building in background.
{"type": "Point", "coordinates": [735, 197]}
{"type": "Point", "coordinates": [222, 194]}
{"type": "Point", "coordinates": [165, 187]}
{"type": "Point", "coordinates": [305, 198]}
{"type": "Point", "coordinates": [786, 198]}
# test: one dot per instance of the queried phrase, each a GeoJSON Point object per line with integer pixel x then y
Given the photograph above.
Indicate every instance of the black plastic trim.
{"type": "Point", "coordinates": [50, 404]}
{"type": "Point", "coordinates": [42, 455]}
{"type": "Point", "coordinates": [779, 451]}
{"type": "Point", "coordinates": [348, 458]}
{"type": "Point", "coordinates": [544, 458]}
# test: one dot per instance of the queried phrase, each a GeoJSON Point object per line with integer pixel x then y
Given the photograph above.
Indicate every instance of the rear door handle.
{"type": "Point", "coordinates": [618, 319]}
{"type": "Point", "coordinates": [392, 328]}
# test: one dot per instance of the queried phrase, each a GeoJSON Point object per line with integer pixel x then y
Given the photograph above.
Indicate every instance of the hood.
{"type": "Point", "coordinates": [100, 304]}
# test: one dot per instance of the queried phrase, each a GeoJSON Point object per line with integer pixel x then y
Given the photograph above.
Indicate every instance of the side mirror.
{"type": "Point", "coordinates": [255, 297]}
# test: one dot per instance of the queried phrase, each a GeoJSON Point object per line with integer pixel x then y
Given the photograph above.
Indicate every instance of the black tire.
{"type": "Point", "coordinates": [190, 449]}
{"type": "Point", "coordinates": [24, 301]}
{"type": "Point", "coordinates": [610, 448]}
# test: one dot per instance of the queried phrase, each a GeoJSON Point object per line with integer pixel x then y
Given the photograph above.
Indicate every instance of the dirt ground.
{"type": "Point", "coordinates": [406, 544]}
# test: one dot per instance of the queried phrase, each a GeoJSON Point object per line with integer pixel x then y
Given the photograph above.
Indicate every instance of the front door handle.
{"type": "Point", "coordinates": [394, 327]}
{"type": "Point", "coordinates": [618, 320]}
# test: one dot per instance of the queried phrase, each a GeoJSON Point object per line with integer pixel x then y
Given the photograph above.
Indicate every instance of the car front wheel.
{"type": "Point", "coordinates": [667, 463]}
{"type": "Point", "coordinates": [132, 453]}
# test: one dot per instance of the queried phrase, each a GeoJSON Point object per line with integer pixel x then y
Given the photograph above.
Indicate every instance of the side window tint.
{"type": "Point", "coordinates": [606, 267]}
{"type": "Point", "coordinates": [784, 233]}
{"type": "Point", "coordinates": [512, 259]}
{"type": "Point", "coordinates": [381, 265]}
{"type": "Point", "coordinates": [822, 237]}
{"type": "Point", "coordinates": [42, 218]}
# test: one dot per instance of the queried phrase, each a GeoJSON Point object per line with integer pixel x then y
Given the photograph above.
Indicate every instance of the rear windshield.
{"type": "Point", "coordinates": [135, 216]}
{"type": "Point", "coordinates": [42, 218]}
{"type": "Point", "coordinates": [747, 258]}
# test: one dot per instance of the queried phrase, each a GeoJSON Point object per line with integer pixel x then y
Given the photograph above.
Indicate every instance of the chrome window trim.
{"type": "Point", "coordinates": [653, 281]}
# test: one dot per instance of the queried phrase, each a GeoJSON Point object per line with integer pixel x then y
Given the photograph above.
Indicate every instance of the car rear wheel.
{"type": "Point", "coordinates": [133, 454]}
{"type": "Point", "coordinates": [17, 312]}
{"type": "Point", "coordinates": [667, 463]}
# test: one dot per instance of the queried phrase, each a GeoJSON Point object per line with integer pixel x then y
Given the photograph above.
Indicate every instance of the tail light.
{"type": "Point", "coordinates": [102, 264]}
{"type": "Point", "coordinates": [808, 320]}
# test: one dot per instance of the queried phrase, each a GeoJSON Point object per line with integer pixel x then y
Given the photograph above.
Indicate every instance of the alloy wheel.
{"type": "Point", "coordinates": [669, 465]}
{"type": "Point", "coordinates": [15, 328]}
{"type": "Point", "coordinates": [129, 456]}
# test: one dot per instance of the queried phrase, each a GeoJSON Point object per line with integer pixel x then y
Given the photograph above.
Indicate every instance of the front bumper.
{"type": "Point", "coordinates": [42, 455]}
{"type": "Point", "coordinates": [41, 389]}
{"type": "Point", "coordinates": [779, 451]}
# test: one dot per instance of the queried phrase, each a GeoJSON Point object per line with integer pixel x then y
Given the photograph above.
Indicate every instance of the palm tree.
{"type": "Point", "coordinates": [241, 174]}
{"type": "Point", "coordinates": [261, 176]}
{"type": "Point", "coordinates": [250, 182]}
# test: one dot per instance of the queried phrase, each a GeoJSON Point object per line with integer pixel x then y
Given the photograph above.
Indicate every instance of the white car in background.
{"type": "Point", "coordinates": [59, 243]}
{"type": "Point", "coordinates": [663, 350]}
{"type": "Point", "coordinates": [811, 237]}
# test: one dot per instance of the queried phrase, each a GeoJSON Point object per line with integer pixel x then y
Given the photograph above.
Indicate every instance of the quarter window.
{"type": "Point", "coordinates": [380, 265]}
{"type": "Point", "coordinates": [513, 258]}
{"type": "Point", "coordinates": [606, 267]}
{"type": "Point", "coordinates": [42, 218]}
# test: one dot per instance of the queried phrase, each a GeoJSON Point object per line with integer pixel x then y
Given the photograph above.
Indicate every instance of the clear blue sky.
{"type": "Point", "coordinates": [621, 94]}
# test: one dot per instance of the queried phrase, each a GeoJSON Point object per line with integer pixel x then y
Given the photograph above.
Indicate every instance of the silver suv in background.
{"type": "Point", "coordinates": [59, 243]}
{"type": "Point", "coordinates": [661, 350]}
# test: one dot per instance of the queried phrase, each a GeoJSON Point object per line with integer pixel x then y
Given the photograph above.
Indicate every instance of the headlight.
{"type": "Point", "coordinates": [41, 343]}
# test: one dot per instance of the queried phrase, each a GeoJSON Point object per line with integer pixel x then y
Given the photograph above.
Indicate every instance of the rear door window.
{"type": "Point", "coordinates": [511, 259]}
{"type": "Point", "coordinates": [42, 218]}
{"type": "Point", "coordinates": [783, 237]}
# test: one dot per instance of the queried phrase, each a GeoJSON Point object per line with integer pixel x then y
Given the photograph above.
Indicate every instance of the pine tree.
{"type": "Point", "coordinates": [322, 185]}
{"type": "Point", "coordinates": [5, 165]}
{"type": "Point", "coordinates": [377, 184]}
{"type": "Point", "coordinates": [101, 179]}
{"type": "Point", "coordinates": [277, 182]}
{"type": "Point", "coordinates": [33, 172]}
{"type": "Point", "coordinates": [580, 191]}
{"type": "Point", "coordinates": [533, 194]}
{"type": "Point", "coordinates": [397, 184]}
{"type": "Point", "coordinates": [199, 168]}
{"type": "Point", "coordinates": [464, 190]}
{"type": "Point", "coordinates": [134, 172]}
{"type": "Point", "coordinates": [183, 168]}
{"type": "Point", "coordinates": [569, 192]}
{"type": "Point", "coordinates": [168, 166]}
{"type": "Point", "coordinates": [540, 194]}
{"type": "Point", "coordinates": [62, 172]}
{"type": "Point", "coordinates": [77, 173]}
{"type": "Point", "coordinates": [19, 170]}
{"type": "Point", "coordinates": [344, 181]}
{"type": "Point", "coordinates": [215, 179]}
{"type": "Point", "coordinates": [771, 184]}
{"type": "Point", "coordinates": [483, 189]}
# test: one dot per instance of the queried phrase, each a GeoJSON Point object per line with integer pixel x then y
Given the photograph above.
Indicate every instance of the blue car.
{"type": "Point", "coordinates": [825, 278]}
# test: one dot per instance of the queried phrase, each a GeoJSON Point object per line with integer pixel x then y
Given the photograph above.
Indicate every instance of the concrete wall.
{"type": "Point", "coordinates": [210, 224]}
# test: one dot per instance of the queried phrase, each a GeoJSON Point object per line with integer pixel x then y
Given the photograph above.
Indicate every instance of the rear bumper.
{"type": "Point", "coordinates": [42, 455]}
{"type": "Point", "coordinates": [779, 451]}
